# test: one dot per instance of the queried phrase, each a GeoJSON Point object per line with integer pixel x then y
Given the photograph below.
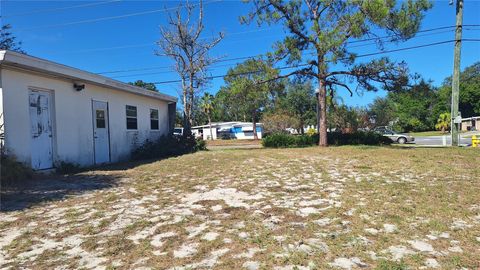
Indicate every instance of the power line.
{"type": "Point", "coordinates": [135, 69]}
{"type": "Point", "coordinates": [358, 56]}
{"type": "Point", "coordinates": [254, 56]}
{"type": "Point", "coordinates": [164, 72]}
{"type": "Point", "coordinates": [109, 18]}
{"type": "Point", "coordinates": [111, 48]}
{"type": "Point", "coordinates": [216, 66]}
{"type": "Point", "coordinates": [59, 9]}
{"type": "Point", "coordinates": [153, 43]}
{"type": "Point", "coordinates": [252, 31]}
{"type": "Point", "coordinates": [165, 67]}
{"type": "Point", "coordinates": [389, 36]}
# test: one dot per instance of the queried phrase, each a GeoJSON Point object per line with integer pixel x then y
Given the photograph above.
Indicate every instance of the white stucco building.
{"type": "Point", "coordinates": [53, 113]}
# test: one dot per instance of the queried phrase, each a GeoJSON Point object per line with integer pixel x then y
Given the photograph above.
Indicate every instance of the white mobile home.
{"type": "Point", "coordinates": [54, 113]}
{"type": "Point", "coordinates": [227, 130]}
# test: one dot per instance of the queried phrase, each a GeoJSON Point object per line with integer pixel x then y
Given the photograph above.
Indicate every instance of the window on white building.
{"type": "Point", "coordinates": [131, 117]}
{"type": "Point", "coordinates": [153, 119]}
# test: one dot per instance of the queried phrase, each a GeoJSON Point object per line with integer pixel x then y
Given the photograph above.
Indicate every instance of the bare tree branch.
{"type": "Point", "coordinates": [181, 42]}
{"type": "Point", "coordinates": [335, 82]}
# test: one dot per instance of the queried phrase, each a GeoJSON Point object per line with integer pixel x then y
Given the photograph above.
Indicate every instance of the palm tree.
{"type": "Point", "coordinates": [206, 103]}
{"type": "Point", "coordinates": [443, 122]}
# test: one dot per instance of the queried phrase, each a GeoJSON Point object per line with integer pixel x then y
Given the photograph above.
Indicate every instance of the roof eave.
{"type": "Point", "coordinates": [19, 60]}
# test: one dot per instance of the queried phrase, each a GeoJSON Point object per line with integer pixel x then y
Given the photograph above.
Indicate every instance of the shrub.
{"type": "Point", "coordinates": [278, 122]}
{"type": "Point", "coordinates": [168, 146]}
{"type": "Point", "coordinates": [280, 140]}
{"type": "Point", "coordinates": [200, 145]}
{"type": "Point", "coordinates": [68, 168]}
{"type": "Point", "coordinates": [357, 138]}
{"type": "Point", "coordinates": [13, 171]}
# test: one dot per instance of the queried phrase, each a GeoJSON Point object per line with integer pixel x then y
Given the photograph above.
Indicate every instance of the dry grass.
{"type": "Point", "coordinates": [308, 208]}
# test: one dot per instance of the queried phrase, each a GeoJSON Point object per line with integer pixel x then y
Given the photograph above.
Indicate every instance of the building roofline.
{"type": "Point", "coordinates": [23, 61]}
{"type": "Point", "coordinates": [471, 118]}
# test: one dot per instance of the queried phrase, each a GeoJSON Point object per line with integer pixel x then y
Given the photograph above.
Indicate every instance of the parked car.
{"type": "Point", "coordinates": [400, 138]}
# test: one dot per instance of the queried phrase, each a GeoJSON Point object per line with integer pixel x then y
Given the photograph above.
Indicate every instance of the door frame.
{"type": "Point", "coordinates": [51, 107]}
{"type": "Point", "coordinates": [108, 132]}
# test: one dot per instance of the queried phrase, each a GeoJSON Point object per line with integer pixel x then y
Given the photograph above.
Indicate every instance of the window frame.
{"type": "Point", "coordinates": [127, 117]}
{"type": "Point", "coordinates": [102, 119]}
{"type": "Point", "coordinates": [157, 120]}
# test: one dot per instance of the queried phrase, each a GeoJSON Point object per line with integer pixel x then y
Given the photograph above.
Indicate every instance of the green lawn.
{"type": "Point", "coordinates": [233, 142]}
{"type": "Point", "coordinates": [429, 133]}
{"type": "Point", "coordinates": [309, 208]}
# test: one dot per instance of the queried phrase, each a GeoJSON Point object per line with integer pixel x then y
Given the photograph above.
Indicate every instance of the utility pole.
{"type": "Point", "coordinates": [456, 72]}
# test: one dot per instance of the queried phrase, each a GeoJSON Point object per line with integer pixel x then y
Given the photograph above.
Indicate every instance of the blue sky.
{"type": "Point", "coordinates": [86, 35]}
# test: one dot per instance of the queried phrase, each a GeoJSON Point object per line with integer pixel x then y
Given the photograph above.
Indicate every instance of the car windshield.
{"type": "Point", "coordinates": [393, 131]}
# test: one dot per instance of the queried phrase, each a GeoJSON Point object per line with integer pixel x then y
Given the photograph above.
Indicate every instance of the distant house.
{"type": "Point", "coordinates": [228, 130]}
{"type": "Point", "coordinates": [470, 123]}
{"type": "Point", "coordinates": [54, 113]}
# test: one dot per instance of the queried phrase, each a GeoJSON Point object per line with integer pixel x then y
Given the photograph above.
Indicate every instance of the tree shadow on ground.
{"type": "Point", "coordinates": [127, 165]}
{"type": "Point", "coordinates": [49, 188]}
{"type": "Point", "coordinates": [44, 188]}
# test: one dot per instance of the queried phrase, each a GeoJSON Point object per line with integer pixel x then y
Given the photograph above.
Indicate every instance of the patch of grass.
{"type": "Point", "coordinates": [373, 186]}
{"type": "Point", "coordinates": [391, 265]}
{"type": "Point", "coordinates": [418, 258]}
{"type": "Point", "coordinates": [111, 197]}
{"type": "Point", "coordinates": [455, 262]}
{"type": "Point", "coordinates": [232, 142]}
{"type": "Point", "coordinates": [429, 133]}
{"type": "Point", "coordinates": [19, 245]}
{"type": "Point", "coordinates": [118, 246]}
{"type": "Point", "coordinates": [64, 167]}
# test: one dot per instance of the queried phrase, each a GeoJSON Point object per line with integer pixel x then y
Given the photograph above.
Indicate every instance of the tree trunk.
{"type": "Point", "coordinates": [186, 111]}
{"type": "Point", "coordinates": [188, 97]}
{"type": "Point", "coordinates": [322, 111]}
{"type": "Point", "coordinates": [210, 126]}
{"type": "Point", "coordinates": [192, 97]}
{"type": "Point", "coordinates": [301, 127]}
{"type": "Point", "coordinates": [187, 128]}
{"type": "Point", "coordinates": [255, 136]}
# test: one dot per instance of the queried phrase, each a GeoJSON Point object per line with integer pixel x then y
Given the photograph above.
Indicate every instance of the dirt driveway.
{"type": "Point", "coordinates": [335, 208]}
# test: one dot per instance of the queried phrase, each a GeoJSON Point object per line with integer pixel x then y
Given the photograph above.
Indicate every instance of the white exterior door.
{"type": "Point", "coordinates": [101, 140]}
{"type": "Point", "coordinates": [41, 128]}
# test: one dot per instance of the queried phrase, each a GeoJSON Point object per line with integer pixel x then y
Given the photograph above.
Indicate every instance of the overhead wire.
{"type": "Point", "coordinates": [50, 10]}
{"type": "Point", "coordinates": [241, 58]}
{"type": "Point", "coordinates": [358, 56]}
{"type": "Point", "coordinates": [252, 31]}
{"type": "Point", "coordinates": [108, 18]}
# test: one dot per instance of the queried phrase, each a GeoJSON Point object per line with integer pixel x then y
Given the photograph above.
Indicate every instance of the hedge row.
{"type": "Point", "coordinates": [168, 146]}
{"type": "Point", "coordinates": [357, 138]}
{"type": "Point", "coordinates": [282, 140]}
